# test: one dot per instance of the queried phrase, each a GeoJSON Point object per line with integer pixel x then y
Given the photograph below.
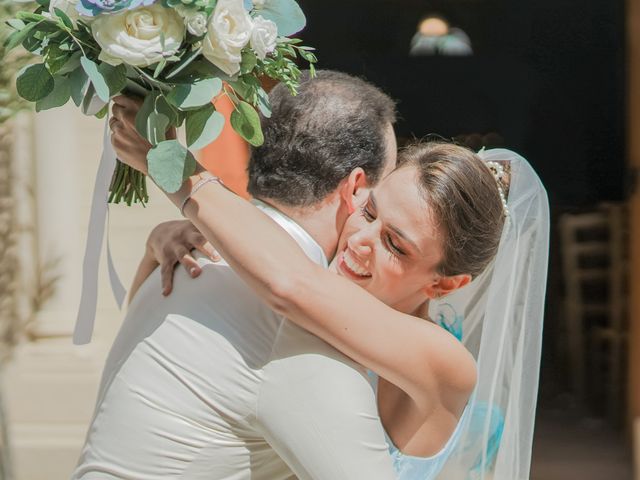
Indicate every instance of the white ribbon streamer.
{"type": "Point", "coordinates": [98, 221]}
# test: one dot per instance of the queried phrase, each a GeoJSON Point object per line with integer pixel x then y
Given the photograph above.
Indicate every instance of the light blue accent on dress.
{"type": "Point", "coordinates": [424, 468]}
{"type": "Point", "coordinates": [450, 320]}
{"type": "Point", "coordinates": [409, 467]}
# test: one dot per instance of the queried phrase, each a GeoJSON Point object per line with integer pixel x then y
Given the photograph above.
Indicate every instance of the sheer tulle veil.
{"type": "Point", "coordinates": [499, 317]}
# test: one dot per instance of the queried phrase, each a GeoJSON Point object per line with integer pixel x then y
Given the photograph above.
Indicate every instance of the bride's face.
{"type": "Point", "coordinates": [391, 246]}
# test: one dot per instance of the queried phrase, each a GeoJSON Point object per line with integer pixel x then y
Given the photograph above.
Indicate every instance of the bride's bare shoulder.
{"type": "Point", "coordinates": [452, 366]}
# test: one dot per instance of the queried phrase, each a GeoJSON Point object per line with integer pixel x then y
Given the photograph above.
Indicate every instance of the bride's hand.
{"type": "Point", "coordinates": [171, 243]}
{"type": "Point", "coordinates": [131, 148]}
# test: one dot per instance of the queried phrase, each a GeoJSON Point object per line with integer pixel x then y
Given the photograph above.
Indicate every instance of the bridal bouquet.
{"type": "Point", "coordinates": [176, 54]}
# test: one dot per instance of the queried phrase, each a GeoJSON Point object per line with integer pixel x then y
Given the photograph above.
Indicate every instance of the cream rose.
{"type": "Point", "coordinates": [197, 24]}
{"type": "Point", "coordinates": [195, 21]}
{"type": "Point", "coordinates": [263, 36]}
{"type": "Point", "coordinates": [67, 6]}
{"type": "Point", "coordinates": [229, 31]}
{"type": "Point", "coordinates": [133, 36]}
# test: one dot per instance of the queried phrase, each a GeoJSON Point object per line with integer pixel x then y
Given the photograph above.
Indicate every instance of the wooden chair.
{"type": "Point", "coordinates": [594, 264]}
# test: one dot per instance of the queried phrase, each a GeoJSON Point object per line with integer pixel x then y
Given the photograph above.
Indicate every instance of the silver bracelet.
{"type": "Point", "coordinates": [201, 183]}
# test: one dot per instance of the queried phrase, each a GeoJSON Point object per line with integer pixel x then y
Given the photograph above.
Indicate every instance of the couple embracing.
{"type": "Point", "coordinates": [376, 315]}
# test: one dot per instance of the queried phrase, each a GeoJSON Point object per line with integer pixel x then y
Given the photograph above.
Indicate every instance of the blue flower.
{"type": "Point", "coordinates": [91, 8]}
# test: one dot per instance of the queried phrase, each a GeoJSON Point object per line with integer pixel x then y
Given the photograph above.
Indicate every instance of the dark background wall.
{"type": "Point", "coordinates": [547, 76]}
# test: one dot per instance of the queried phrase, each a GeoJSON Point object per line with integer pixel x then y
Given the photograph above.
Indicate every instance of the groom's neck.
{"type": "Point", "coordinates": [320, 221]}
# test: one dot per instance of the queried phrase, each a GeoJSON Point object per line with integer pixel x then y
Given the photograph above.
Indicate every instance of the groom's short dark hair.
{"type": "Point", "coordinates": [313, 140]}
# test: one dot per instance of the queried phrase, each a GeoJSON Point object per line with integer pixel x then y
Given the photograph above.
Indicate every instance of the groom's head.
{"type": "Point", "coordinates": [335, 134]}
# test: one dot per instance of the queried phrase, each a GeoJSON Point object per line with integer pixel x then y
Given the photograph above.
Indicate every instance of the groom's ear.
{"type": "Point", "coordinates": [355, 190]}
{"type": "Point", "coordinates": [445, 285]}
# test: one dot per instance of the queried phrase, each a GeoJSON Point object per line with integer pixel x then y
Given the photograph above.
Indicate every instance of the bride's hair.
{"type": "Point", "coordinates": [464, 197]}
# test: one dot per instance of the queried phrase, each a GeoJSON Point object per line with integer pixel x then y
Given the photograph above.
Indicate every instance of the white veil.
{"type": "Point", "coordinates": [500, 315]}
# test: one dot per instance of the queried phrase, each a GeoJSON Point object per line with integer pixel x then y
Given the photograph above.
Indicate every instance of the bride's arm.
{"type": "Point", "coordinates": [409, 352]}
{"type": "Point", "coordinates": [412, 353]}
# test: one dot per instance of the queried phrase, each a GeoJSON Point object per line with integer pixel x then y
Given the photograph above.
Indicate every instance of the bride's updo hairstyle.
{"type": "Point", "coordinates": [463, 195]}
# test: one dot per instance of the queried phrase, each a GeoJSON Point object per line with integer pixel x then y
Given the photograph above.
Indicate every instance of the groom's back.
{"type": "Point", "coordinates": [183, 378]}
{"type": "Point", "coordinates": [181, 382]}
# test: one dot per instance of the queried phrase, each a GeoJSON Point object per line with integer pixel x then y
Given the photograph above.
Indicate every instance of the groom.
{"type": "Point", "coordinates": [208, 382]}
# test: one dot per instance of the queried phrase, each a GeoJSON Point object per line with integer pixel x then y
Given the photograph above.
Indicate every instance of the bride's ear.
{"type": "Point", "coordinates": [355, 190]}
{"type": "Point", "coordinates": [445, 285]}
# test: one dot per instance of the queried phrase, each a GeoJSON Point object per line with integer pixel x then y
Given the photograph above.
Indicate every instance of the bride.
{"type": "Point", "coordinates": [439, 223]}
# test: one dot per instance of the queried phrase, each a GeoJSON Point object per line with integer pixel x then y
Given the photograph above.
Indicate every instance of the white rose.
{"type": "Point", "coordinates": [195, 21]}
{"type": "Point", "coordinates": [197, 24]}
{"type": "Point", "coordinates": [263, 36]}
{"type": "Point", "coordinates": [67, 6]}
{"type": "Point", "coordinates": [134, 36]}
{"type": "Point", "coordinates": [228, 33]}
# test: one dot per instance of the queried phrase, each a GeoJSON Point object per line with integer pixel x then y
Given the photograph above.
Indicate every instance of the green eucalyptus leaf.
{"type": "Point", "coordinates": [78, 83]}
{"type": "Point", "coordinates": [35, 83]}
{"type": "Point", "coordinates": [248, 62]}
{"type": "Point", "coordinates": [97, 79]}
{"type": "Point", "coordinates": [286, 14]}
{"type": "Point", "coordinates": [29, 16]}
{"type": "Point", "coordinates": [71, 64]}
{"type": "Point", "coordinates": [200, 93]}
{"type": "Point", "coordinates": [159, 67]}
{"type": "Point", "coordinates": [163, 107]}
{"type": "Point", "coordinates": [16, 24]}
{"type": "Point", "coordinates": [186, 60]}
{"type": "Point", "coordinates": [147, 108]}
{"type": "Point", "coordinates": [203, 126]}
{"type": "Point", "coordinates": [245, 121]}
{"type": "Point", "coordinates": [264, 105]}
{"type": "Point", "coordinates": [199, 70]}
{"type": "Point", "coordinates": [134, 89]}
{"type": "Point", "coordinates": [32, 43]}
{"type": "Point", "coordinates": [16, 38]}
{"type": "Point", "coordinates": [182, 116]}
{"type": "Point", "coordinates": [241, 87]}
{"type": "Point", "coordinates": [55, 58]}
{"type": "Point", "coordinates": [64, 17]}
{"type": "Point", "coordinates": [157, 125]}
{"type": "Point", "coordinates": [170, 164]}
{"type": "Point", "coordinates": [58, 96]}
{"type": "Point", "coordinates": [115, 77]}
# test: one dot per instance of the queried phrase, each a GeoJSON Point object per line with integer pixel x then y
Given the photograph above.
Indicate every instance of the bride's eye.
{"type": "Point", "coordinates": [368, 216]}
{"type": "Point", "coordinates": [393, 247]}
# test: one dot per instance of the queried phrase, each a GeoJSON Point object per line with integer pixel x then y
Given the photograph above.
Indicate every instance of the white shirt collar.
{"type": "Point", "coordinates": [312, 248]}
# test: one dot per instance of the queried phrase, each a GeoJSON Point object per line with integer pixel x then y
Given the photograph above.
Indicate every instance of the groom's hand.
{"type": "Point", "coordinates": [131, 148]}
{"type": "Point", "coordinates": [173, 242]}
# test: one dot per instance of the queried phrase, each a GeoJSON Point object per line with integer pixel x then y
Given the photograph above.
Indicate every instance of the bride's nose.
{"type": "Point", "coordinates": [360, 244]}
